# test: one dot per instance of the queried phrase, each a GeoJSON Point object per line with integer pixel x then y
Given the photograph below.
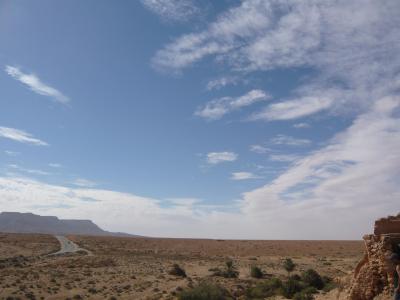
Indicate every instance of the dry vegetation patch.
{"type": "Point", "coordinates": [140, 268]}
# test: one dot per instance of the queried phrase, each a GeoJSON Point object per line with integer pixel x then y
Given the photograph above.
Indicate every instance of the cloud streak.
{"type": "Point", "coordinates": [174, 10]}
{"type": "Point", "coordinates": [243, 176]}
{"type": "Point", "coordinates": [36, 85]}
{"type": "Point", "coordinates": [216, 109]}
{"type": "Point", "coordinates": [20, 136]}
{"type": "Point", "coordinates": [214, 158]}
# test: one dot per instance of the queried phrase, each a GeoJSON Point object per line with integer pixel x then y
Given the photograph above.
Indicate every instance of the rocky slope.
{"type": "Point", "coordinates": [374, 275]}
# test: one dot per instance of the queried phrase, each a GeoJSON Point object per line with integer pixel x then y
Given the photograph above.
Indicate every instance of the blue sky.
{"type": "Point", "coordinates": [235, 119]}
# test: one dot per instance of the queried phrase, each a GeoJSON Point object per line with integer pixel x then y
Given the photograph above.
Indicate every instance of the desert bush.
{"type": "Point", "coordinates": [229, 271]}
{"type": "Point", "coordinates": [290, 287]}
{"type": "Point", "coordinates": [303, 295]}
{"type": "Point", "coordinates": [312, 278]}
{"type": "Point", "coordinates": [205, 291]}
{"type": "Point", "coordinates": [256, 272]}
{"type": "Point", "coordinates": [329, 284]}
{"type": "Point", "coordinates": [289, 265]}
{"type": "Point", "coordinates": [176, 270]}
{"type": "Point", "coordinates": [265, 289]}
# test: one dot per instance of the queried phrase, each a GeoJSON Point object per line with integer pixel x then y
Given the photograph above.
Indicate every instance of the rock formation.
{"type": "Point", "coordinates": [374, 274]}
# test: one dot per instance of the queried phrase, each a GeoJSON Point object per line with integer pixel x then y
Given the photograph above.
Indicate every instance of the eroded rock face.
{"type": "Point", "coordinates": [374, 275]}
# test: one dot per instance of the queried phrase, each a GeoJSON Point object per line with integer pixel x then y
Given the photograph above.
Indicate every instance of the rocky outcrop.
{"type": "Point", "coordinates": [374, 275]}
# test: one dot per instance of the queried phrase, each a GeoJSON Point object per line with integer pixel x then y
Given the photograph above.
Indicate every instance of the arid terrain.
{"type": "Point", "coordinates": [138, 268]}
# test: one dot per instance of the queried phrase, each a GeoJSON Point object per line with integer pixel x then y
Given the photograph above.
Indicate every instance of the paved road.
{"type": "Point", "coordinates": [68, 246]}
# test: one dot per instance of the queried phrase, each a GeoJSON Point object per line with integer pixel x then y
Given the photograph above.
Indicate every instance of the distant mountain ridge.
{"type": "Point", "coordinates": [15, 222]}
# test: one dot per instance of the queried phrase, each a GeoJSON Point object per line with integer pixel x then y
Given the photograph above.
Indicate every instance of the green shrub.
{"type": "Point", "coordinates": [176, 270]}
{"type": "Point", "coordinates": [229, 271]}
{"type": "Point", "coordinates": [303, 296]}
{"type": "Point", "coordinates": [312, 278]}
{"type": "Point", "coordinates": [290, 287]}
{"type": "Point", "coordinates": [256, 272]}
{"type": "Point", "coordinates": [265, 289]}
{"type": "Point", "coordinates": [329, 285]}
{"type": "Point", "coordinates": [288, 265]}
{"type": "Point", "coordinates": [205, 291]}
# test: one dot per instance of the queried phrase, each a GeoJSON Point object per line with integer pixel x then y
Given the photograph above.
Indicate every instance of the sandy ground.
{"type": "Point", "coordinates": [137, 268]}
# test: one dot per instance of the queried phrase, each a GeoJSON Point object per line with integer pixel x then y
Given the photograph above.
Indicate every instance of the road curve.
{"type": "Point", "coordinates": [67, 246]}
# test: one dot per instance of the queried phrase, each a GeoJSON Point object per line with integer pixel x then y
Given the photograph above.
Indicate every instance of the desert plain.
{"type": "Point", "coordinates": [139, 268]}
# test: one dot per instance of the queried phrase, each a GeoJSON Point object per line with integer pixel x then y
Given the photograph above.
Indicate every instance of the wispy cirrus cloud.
{"type": "Point", "coordinates": [11, 153]}
{"type": "Point", "coordinates": [36, 85]}
{"type": "Point", "coordinates": [214, 158]}
{"type": "Point", "coordinates": [259, 149]}
{"type": "Point", "coordinates": [29, 171]}
{"type": "Point", "coordinates": [243, 176]}
{"type": "Point", "coordinates": [217, 108]}
{"type": "Point", "coordinates": [283, 157]}
{"type": "Point", "coordinates": [301, 125]}
{"type": "Point", "coordinates": [293, 109]}
{"type": "Point", "coordinates": [82, 182]}
{"type": "Point", "coordinates": [20, 136]}
{"type": "Point", "coordinates": [350, 57]}
{"type": "Point", "coordinates": [221, 82]}
{"type": "Point", "coordinates": [174, 10]}
{"type": "Point", "coordinates": [286, 140]}
{"type": "Point", "coordinates": [55, 165]}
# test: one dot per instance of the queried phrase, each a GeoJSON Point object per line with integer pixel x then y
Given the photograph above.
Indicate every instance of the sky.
{"type": "Point", "coordinates": [252, 119]}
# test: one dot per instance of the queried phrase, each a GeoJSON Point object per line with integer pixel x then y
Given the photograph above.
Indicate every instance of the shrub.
{"type": "Point", "coordinates": [329, 285]}
{"type": "Point", "coordinates": [303, 296]}
{"type": "Point", "coordinates": [288, 265]}
{"type": "Point", "coordinates": [291, 287]}
{"type": "Point", "coordinates": [256, 272]}
{"type": "Point", "coordinates": [228, 272]}
{"type": "Point", "coordinates": [312, 278]}
{"type": "Point", "coordinates": [264, 289]}
{"type": "Point", "coordinates": [176, 270]}
{"type": "Point", "coordinates": [205, 291]}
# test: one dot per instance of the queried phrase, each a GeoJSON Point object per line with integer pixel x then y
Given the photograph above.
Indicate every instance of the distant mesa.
{"type": "Point", "coordinates": [15, 222]}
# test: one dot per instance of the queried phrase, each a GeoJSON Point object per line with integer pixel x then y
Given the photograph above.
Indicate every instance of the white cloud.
{"type": "Point", "coordinates": [11, 153]}
{"type": "Point", "coordinates": [184, 201]}
{"type": "Point", "coordinates": [82, 182]}
{"type": "Point", "coordinates": [221, 82]}
{"type": "Point", "coordinates": [301, 125]}
{"type": "Point", "coordinates": [36, 85]}
{"type": "Point", "coordinates": [282, 139]}
{"type": "Point", "coordinates": [259, 149]}
{"type": "Point", "coordinates": [335, 192]}
{"type": "Point", "coordinates": [344, 185]}
{"type": "Point", "coordinates": [20, 136]}
{"type": "Point", "coordinates": [55, 165]}
{"type": "Point", "coordinates": [214, 158]}
{"type": "Point", "coordinates": [175, 10]}
{"type": "Point", "coordinates": [355, 59]}
{"type": "Point", "coordinates": [283, 157]}
{"type": "Point", "coordinates": [29, 171]}
{"type": "Point", "coordinates": [243, 176]}
{"type": "Point", "coordinates": [216, 109]}
{"type": "Point", "coordinates": [293, 109]}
